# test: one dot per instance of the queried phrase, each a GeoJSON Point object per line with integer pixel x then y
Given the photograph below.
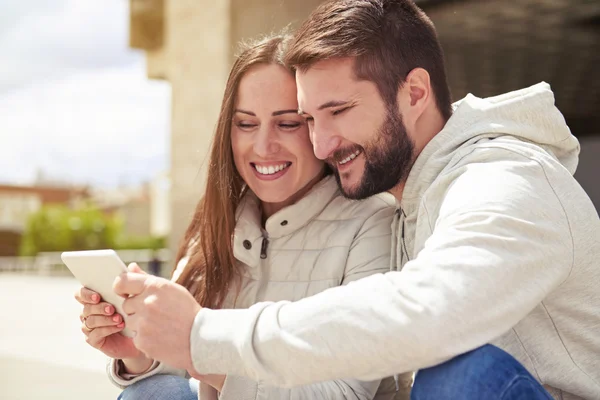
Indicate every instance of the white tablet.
{"type": "Point", "coordinates": [97, 270]}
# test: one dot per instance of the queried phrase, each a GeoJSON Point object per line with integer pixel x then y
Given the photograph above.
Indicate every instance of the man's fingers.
{"type": "Point", "coordinates": [130, 284]}
{"type": "Point", "coordinates": [87, 296]}
{"type": "Point", "coordinates": [132, 304]}
{"type": "Point", "coordinates": [133, 267]}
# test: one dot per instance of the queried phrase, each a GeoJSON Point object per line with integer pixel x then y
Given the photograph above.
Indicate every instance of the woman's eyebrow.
{"type": "Point", "coordinates": [281, 112]}
{"type": "Point", "coordinates": [244, 112]}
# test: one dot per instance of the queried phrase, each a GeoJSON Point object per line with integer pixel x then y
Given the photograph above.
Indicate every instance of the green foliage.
{"type": "Point", "coordinates": [59, 228]}
{"type": "Point", "coordinates": [141, 242]}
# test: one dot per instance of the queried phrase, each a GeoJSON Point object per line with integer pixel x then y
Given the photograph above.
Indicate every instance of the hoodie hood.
{"type": "Point", "coordinates": [528, 115]}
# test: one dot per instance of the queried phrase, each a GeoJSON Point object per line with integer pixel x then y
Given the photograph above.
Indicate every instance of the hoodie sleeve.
{"type": "Point", "coordinates": [369, 254]}
{"type": "Point", "coordinates": [501, 243]}
{"type": "Point", "coordinates": [121, 379]}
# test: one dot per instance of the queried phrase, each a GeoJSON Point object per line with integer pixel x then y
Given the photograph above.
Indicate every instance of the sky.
{"type": "Point", "coordinates": [75, 102]}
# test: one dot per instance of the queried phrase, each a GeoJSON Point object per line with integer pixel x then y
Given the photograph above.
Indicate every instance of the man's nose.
{"type": "Point", "coordinates": [325, 142]}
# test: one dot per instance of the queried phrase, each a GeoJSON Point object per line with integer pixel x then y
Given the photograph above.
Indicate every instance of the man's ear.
{"type": "Point", "coordinates": [415, 96]}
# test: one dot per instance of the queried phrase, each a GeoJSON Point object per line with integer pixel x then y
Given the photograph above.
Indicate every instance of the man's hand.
{"type": "Point", "coordinates": [215, 381]}
{"type": "Point", "coordinates": [162, 314]}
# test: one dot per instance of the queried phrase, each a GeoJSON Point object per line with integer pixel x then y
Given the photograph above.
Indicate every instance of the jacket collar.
{"type": "Point", "coordinates": [287, 220]}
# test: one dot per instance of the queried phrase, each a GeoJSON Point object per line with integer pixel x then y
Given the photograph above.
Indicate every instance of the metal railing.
{"type": "Point", "coordinates": [51, 264]}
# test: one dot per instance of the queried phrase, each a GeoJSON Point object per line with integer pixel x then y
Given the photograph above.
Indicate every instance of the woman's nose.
{"type": "Point", "coordinates": [266, 143]}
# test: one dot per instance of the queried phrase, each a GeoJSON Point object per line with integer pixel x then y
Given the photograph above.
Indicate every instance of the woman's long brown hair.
{"type": "Point", "coordinates": [211, 266]}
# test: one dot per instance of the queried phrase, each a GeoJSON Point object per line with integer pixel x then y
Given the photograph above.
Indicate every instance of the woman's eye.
{"type": "Point", "coordinates": [289, 125]}
{"type": "Point", "coordinates": [244, 125]}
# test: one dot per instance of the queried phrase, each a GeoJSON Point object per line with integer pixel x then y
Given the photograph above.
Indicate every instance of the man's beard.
{"type": "Point", "coordinates": [388, 159]}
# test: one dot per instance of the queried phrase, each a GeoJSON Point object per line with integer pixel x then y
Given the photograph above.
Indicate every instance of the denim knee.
{"type": "Point", "coordinates": [161, 387]}
{"type": "Point", "coordinates": [484, 373]}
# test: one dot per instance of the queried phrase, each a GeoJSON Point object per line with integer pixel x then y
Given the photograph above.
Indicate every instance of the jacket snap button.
{"type": "Point", "coordinates": [284, 222]}
{"type": "Point", "coordinates": [247, 245]}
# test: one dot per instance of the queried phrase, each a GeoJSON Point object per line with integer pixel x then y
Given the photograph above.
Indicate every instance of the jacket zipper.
{"type": "Point", "coordinates": [263, 248]}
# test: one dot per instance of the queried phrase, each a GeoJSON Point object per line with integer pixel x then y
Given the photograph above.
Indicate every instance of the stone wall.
{"type": "Point", "coordinates": [200, 42]}
{"type": "Point", "coordinates": [588, 170]}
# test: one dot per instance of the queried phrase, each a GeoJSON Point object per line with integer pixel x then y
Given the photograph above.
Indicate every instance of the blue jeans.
{"type": "Point", "coordinates": [162, 387]}
{"type": "Point", "coordinates": [485, 373]}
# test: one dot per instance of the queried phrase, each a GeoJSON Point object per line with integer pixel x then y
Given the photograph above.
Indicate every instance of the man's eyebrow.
{"type": "Point", "coordinates": [333, 103]}
{"type": "Point", "coordinates": [244, 112]}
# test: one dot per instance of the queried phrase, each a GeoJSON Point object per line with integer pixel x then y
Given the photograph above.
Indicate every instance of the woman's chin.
{"type": "Point", "coordinates": [271, 197]}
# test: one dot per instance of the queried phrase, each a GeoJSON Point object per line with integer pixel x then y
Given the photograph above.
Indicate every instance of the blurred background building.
{"type": "Point", "coordinates": [17, 203]}
{"type": "Point", "coordinates": [491, 47]}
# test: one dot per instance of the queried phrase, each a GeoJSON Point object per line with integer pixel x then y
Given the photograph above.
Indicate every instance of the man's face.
{"type": "Point", "coordinates": [351, 127]}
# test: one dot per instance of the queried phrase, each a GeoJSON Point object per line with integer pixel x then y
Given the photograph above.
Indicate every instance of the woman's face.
{"type": "Point", "coordinates": [270, 142]}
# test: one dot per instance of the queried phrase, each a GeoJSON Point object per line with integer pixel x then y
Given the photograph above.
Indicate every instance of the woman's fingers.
{"type": "Point", "coordinates": [98, 309]}
{"type": "Point", "coordinates": [99, 321]}
{"type": "Point", "coordinates": [87, 296]}
{"type": "Point", "coordinates": [96, 337]}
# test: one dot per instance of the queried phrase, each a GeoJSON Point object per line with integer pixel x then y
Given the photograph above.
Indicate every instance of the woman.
{"type": "Point", "coordinates": [271, 226]}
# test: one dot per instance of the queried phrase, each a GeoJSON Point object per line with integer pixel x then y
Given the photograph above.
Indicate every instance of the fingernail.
{"type": "Point", "coordinates": [116, 318]}
{"type": "Point", "coordinates": [95, 297]}
{"type": "Point", "coordinates": [121, 325]}
{"type": "Point", "coordinates": [108, 310]}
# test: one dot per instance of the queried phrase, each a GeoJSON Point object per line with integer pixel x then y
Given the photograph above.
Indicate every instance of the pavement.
{"type": "Point", "coordinates": [43, 353]}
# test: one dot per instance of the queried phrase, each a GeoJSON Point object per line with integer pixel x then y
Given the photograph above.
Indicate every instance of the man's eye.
{"type": "Point", "coordinates": [341, 110]}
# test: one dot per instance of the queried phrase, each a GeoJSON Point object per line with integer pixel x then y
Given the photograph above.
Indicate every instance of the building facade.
{"type": "Point", "coordinates": [17, 203]}
{"type": "Point", "coordinates": [491, 47]}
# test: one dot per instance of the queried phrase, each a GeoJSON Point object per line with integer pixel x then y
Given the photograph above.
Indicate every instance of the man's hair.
{"type": "Point", "coordinates": [387, 38]}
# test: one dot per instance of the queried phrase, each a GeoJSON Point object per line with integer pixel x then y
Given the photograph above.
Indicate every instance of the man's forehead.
{"type": "Point", "coordinates": [340, 67]}
{"type": "Point", "coordinates": [325, 81]}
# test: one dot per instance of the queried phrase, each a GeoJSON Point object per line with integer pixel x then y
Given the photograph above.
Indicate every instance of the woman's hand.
{"type": "Point", "coordinates": [101, 324]}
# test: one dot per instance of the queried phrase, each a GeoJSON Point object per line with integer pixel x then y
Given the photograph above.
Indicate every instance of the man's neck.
{"type": "Point", "coordinates": [429, 125]}
{"type": "Point", "coordinates": [397, 191]}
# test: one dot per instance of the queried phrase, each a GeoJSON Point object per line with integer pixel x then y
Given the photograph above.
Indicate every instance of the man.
{"type": "Point", "coordinates": [496, 241]}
